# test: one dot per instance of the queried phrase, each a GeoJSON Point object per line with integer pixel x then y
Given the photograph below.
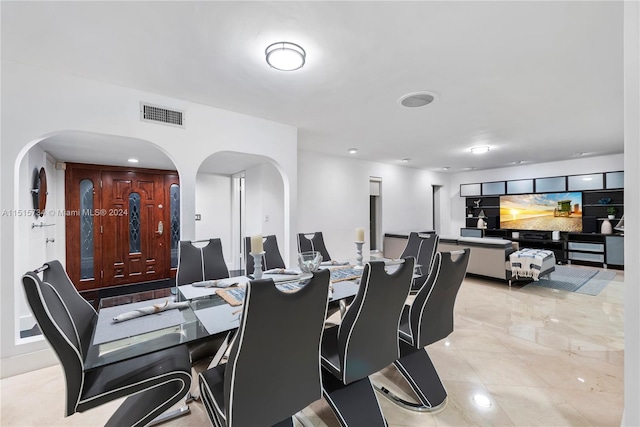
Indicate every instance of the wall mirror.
{"type": "Point", "coordinates": [39, 192]}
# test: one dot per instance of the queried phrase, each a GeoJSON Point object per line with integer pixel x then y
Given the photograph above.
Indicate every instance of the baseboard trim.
{"type": "Point", "coordinates": [27, 362]}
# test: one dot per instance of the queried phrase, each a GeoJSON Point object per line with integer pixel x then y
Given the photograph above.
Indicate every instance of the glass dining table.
{"type": "Point", "coordinates": [204, 314]}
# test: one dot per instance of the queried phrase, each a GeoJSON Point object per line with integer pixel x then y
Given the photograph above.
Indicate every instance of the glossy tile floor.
{"type": "Point", "coordinates": [542, 358]}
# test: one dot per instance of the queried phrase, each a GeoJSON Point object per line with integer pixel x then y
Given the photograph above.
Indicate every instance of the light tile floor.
{"type": "Point", "coordinates": [542, 357]}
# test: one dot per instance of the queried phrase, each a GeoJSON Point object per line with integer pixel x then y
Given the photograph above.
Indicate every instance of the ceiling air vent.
{"type": "Point", "coordinates": [156, 114]}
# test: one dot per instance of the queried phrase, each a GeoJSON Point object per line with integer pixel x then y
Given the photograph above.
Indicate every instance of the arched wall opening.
{"type": "Point", "coordinates": [40, 238]}
{"type": "Point", "coordinates": [238, 195]}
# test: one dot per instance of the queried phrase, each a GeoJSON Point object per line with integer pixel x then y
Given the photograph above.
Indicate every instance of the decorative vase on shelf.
{"type": "Point", "coordinates": [606, 227]}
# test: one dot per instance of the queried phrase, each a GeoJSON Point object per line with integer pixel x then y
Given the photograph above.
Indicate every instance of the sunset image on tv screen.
{"type": "Point", "coordinates": [548, 212]}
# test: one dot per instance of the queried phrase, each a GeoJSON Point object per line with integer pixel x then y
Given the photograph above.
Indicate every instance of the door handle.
{"type": "Point", "coordinates": [160, 228]}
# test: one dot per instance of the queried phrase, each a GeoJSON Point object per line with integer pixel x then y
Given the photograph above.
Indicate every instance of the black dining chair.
{"type": "Point", "coordinates": [423, 247]}
{"type": "Point", "coordinates": [196, 264]}
{"type": "Point", "coordinates": [308, 242]}
{"type": "Point", "coordinates": [271, 258]}
{"type": "Point", "coordinates": [273, 369]}
{"type": "Point", "coordinates": [153, 382]}
{"type": "Point", "coordinates": [427, 320]}
{"type": "Point", "coordinates": [365, 342]}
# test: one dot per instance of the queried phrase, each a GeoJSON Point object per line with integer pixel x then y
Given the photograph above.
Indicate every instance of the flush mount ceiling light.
{"type": "Point", "coordinates": [417, 99]}
{"type": "Point", "coordinates": [352, 150]}
{"type": "Point", "coordinates": [481, 149]}
{"type": "Point", "coordinates": [132, 160]}
{"type": "Point", "coordinates": [285, 56]}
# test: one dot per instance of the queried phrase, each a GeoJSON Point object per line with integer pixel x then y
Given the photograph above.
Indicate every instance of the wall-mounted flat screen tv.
{"type": "Point", "coordinates": [544, 212]}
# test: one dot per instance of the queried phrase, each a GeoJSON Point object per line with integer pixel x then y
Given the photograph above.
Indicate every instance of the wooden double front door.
{"type": "Point", "coordinates": [122, 225]}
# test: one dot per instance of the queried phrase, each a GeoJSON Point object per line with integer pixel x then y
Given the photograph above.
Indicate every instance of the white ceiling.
{"type": "Point", "coordinates": [537, 81]}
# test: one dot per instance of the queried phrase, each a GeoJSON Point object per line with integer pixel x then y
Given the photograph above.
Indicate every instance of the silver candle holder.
{"type": "Point", "coordinates": [257, 264]}
{"type": "Point", "coordinates": [359, 254]}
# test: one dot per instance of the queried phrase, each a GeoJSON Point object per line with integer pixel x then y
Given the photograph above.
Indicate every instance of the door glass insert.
{"type": "Point", "coordinates": [134, 222]}
{"type": "Point", "coordinates": [174, 206]}
{"type": "Point", "coordinates": [86, 229]}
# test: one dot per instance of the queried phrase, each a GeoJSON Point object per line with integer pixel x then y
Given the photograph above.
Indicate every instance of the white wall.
{"type": "Point", "coordinates": [37, 103]}
{"type": "Point", "coordinates": [567, 167]}
{"type": "Point", "coordinates": [213, 203]}
{"type": "Point", "coordinates": [35, 242]}
{"type": "Point", "coordinates": [632, 213]}
{"type": "Point", "coordinates": [264, 205]}
{"type": "Point", "coordinates": [333, 198]}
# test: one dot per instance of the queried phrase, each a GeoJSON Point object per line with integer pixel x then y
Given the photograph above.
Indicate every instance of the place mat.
{"type": "Point", "coordinates": [107, 330]}
{"type": "Point", "coordinates": [277, 278]}
{"type": "Point", "coordinates": [235, 297]}
{"type": "Point", "coordinates": [345, 273]}
{"type": "Point", "coordinates": [190, 292]}
{"type": "Point", "coordinates": [220, 318]}
{"type": "Point", "coordinates": [218, 283]}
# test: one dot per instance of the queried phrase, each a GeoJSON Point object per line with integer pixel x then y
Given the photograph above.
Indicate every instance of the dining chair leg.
{"type": "Point", "coordinates": [416, 367]}
{"type": "Point", "coordinates": [355, 404]}
{"type": "Point", "coordinates": [183, 410]}
{"type": "Point", "coordinates": [224, 347]}
{"type": "Point", "coordinates": [149, 405]}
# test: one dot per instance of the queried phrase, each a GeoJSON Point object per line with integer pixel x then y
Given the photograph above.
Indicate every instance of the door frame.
{"type": "Point", "coordinates": [238, 220]}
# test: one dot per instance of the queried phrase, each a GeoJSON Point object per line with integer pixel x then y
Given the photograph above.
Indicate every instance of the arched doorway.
{"type": "Point", "coordinates": [115, 222]}
{"type": "Point", "coordinates": [237, 195]}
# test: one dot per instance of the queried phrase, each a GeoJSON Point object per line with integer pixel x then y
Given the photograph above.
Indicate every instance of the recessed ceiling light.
{"type": "Point", "coordinates": [285, 56]}
{"type": "Point", "coordinates": [352, 150]}
{"type": "Point", "coordinates": [480, 149]}
{"type": "Point", "coordinates": [481, 400]}
{"type": "Point", "coordinates": [417, 99]}
{"type": "Point", "coordinates": [132, 160]}
{"type": "Point", "coordinates": [405, 160]}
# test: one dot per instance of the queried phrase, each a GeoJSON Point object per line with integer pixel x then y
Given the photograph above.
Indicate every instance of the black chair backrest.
{"type": "Point", "coordinates": [273, 370]}
{"type": "Point", "coordinates": [271, 258]}
{"type": "Point", "coordinates": [423, 248]}
{"type": "Point", "coordinates": [431, 314]}
{"type": "Point", "coordinates": [313, 242]}
{"type": "Point", "coordinates": [66, 321]}
{"type": "Point", "coordinates": [198, 264]}
{"type": "Point", "coordinates": [368, 333]}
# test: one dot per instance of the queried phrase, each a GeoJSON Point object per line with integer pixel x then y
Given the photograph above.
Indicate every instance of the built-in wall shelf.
{"type": "Point", "coordinates": [600, 192]}
{"type": "Point", "coordinates": [603, 181]}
